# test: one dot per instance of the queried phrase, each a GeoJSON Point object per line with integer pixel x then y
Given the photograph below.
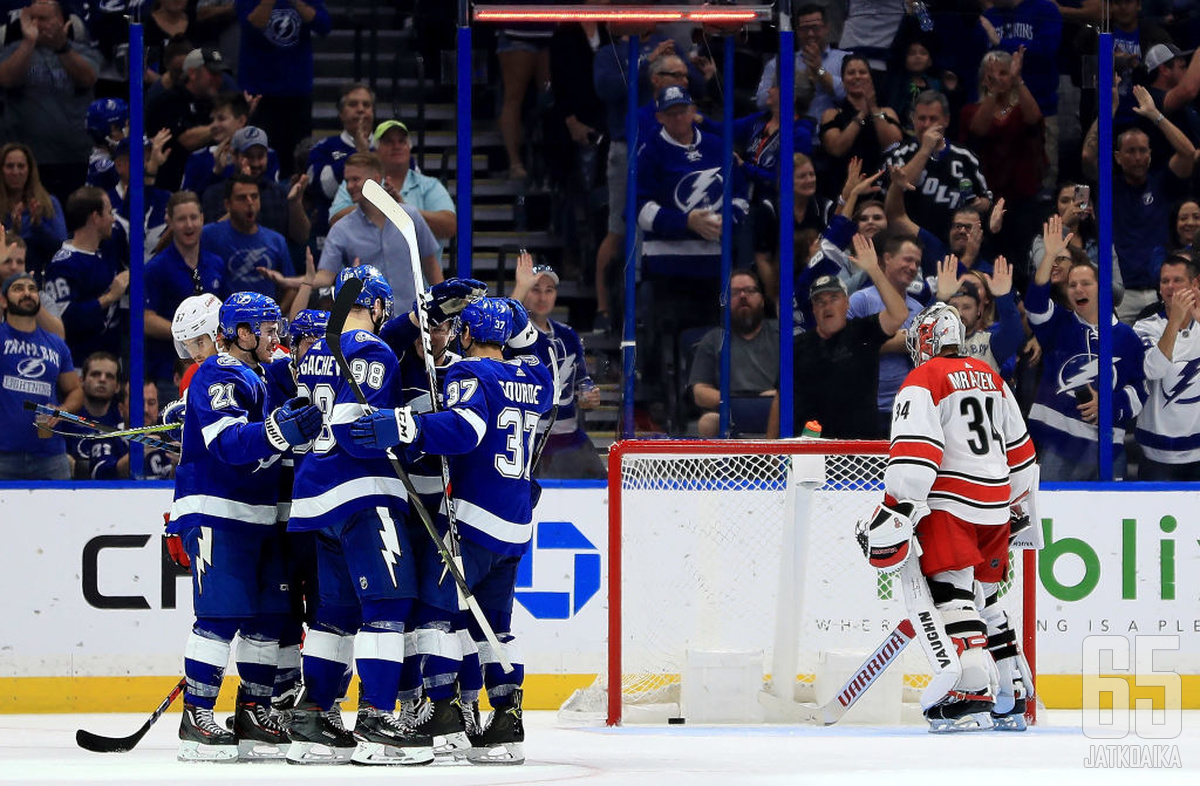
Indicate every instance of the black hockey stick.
{"type": "Point", "coordinates": [333, 337]}
{"type": "Point", "coordinates": [100, 744]}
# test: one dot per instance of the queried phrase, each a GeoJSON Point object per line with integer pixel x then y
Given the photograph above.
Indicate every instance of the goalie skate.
{"type": "Point", "coordinates": [1014, 719]}
{"type": "Point", "coordinates": [959, 712]}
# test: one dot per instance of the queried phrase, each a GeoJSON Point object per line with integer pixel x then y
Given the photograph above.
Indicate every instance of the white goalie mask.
{"type": "Point", "coordinates": [932, 330]}
{"type": "Point", "coordinates": [196, 316]}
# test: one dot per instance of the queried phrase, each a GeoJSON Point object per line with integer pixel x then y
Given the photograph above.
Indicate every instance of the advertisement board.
{"type": "Point", "coordinates": [95, 616]}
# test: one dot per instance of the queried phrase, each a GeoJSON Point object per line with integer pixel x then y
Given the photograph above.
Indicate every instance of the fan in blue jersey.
{"type": "Point", "coordinates": [488, 430]}
{"type": "Point", "coordinates": [1062, 420]}
{"type": "Point", "coordinates": [568, 453]}
{"type": "Point", "coordinates": [351, 497]}
{"type": "Point", "coordinates": [83, 286]}
{"type": "Point", "coordinates": [226, 487]}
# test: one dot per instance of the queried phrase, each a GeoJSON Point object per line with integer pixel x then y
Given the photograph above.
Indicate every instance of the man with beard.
{"type": "Point", "coordinates": [754, 367]}
{"type": "Point", "coordinates": [36, 366]}
{"type": "Point", "coordinates": [837, 363]}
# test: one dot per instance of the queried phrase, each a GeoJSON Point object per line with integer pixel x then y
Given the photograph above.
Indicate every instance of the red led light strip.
{"type": "Point", "coordinates": [502, 13]}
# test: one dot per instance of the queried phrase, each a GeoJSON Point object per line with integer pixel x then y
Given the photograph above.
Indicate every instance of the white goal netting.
{"type": "Point", "coordinates": [703, 532]}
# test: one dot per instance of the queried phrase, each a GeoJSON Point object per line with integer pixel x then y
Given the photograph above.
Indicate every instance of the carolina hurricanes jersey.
{"type": "Point", "coordinates": [958, 441]}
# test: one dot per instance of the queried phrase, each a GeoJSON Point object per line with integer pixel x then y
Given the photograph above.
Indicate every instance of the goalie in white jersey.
{"type": "Point", "coordinates": [960, 458]}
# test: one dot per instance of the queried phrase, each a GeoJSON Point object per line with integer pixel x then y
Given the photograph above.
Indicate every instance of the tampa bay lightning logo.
{"type": "Point", "coordinates": [704, 188]}
{"type": "Point", "coordinates": [1080, 370]}
{"type": "Point", "coordinates": [283, 28]}
{"type": "Point", "coordinates": [1184, 384]}
{"type": "Point", "coordinates": [31, 368]}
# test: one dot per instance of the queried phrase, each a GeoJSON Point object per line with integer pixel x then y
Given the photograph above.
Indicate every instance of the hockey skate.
{"type": "Point", "coordinates": [259, 735]}
{"type": "Point", "coordinates": [318, 737]}
{"type": "Point", "coordinates": [443, 721]}
{"type": "Point", "coordinates": [960, 711]}
{"type": "Point", "coordinates": [1011, 719]}
{"type": "Point", "coordinates": [202, 739]}
{"type": "Point", "coordinates": [383, 740]}
{"type": "Point", "coordinates": [501, 741]}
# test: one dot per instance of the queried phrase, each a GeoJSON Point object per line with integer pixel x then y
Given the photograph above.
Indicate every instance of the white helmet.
{"type": "Point", "coordinates": [936, 327]}
{"type": "Point", "coordinates": [196, 316]}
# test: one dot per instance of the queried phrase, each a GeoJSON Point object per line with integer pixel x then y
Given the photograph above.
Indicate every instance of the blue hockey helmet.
{"type": "Point", "coordinates": [247, 308]}
{"type": "Point", "coordinates": [375, 287]}
{"type": "Point", "coordinates": [102, 115]}
{"type": "Point", "coordinates": [309, 323]}
{"type": "Point", "coordinates": [490, 320]}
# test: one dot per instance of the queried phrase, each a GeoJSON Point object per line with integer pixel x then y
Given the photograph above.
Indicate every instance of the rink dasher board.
{"type": "Point", "coordinates": [95, 620]}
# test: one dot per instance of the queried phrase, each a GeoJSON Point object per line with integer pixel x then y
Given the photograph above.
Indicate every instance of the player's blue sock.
{"type": "Point", "coordinates": [500, 686]}
{"type": "Point", "coordinates": [410, 675]}
{"type": "Point", "coordinates": [441, 659]}
{"type": "Point", "coordinates": [326, 659]}
{"type": "Point", "coordinates": [256, 657]}
{"type": "Point", "coordinates": [204, 662]}
{"type": "Point", "coordinates": [470, 673]}
{"type": "Point", "coordinates": [287, 671]}
{"type": "Point", "coordinates": [379, 658]}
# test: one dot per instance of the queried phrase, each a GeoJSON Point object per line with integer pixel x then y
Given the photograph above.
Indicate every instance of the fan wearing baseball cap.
{"type": "Point", "coordinates": [282, 209]}
{"type": "Point", "coordinates": [1173, 81]}
{"type": "Point", "coordinates": [393, 144]}
{"type": "Point", "coordinates": [836, 365]}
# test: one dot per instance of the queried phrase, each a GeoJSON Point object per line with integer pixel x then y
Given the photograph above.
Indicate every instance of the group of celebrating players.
{"type": "Point", "coordinates": [295, 505]}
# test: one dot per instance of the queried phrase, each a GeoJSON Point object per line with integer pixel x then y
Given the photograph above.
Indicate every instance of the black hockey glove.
{"type": "Point", "coordinates": [452, 296]}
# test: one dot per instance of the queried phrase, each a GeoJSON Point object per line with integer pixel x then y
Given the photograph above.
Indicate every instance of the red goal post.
{"type": "Point", "coordinates": [698, 533]}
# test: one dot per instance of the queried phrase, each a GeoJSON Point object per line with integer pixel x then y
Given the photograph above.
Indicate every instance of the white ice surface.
{"type": "Point", "coordinates": [40, 749]}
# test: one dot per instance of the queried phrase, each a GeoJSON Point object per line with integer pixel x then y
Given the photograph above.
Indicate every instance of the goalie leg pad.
{"type": "Point", "coordinates": [1013, 670]}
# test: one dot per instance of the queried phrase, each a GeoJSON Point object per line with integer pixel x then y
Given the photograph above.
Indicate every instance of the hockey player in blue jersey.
{"type": "Point", "coordinates": [488, 430]}
{"type": "Point", "coordinates": [225, 493]}
{"type": "Point", "coordinates": [402, 334]}
{"type": "Point", "coordinates": [299, 548]}
{"type": "Point", "coordinates": [353, 499]}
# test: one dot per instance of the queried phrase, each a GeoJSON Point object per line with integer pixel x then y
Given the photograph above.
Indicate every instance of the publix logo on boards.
{"type": "Point", "coordinates": [1071, 568]}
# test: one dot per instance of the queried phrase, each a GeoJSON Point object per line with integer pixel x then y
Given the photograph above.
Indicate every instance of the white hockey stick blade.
{"type": "Point", "coordinates": [783, 711]}
{"type": "Point", "coordinates": [382, 200]}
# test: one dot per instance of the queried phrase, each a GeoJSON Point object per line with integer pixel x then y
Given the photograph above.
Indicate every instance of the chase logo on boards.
{"type": "Point", "coordinates": [560, 574]}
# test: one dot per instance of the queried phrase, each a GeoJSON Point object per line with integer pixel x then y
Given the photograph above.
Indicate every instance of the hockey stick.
{"type": "Point", "coordinates": [833, 710]}
{"type": "Point", "coordinates": [142, 435]}
{"type": "Point", "coordinates": [333, 337]}
{"type": "Point", "coordinates": [383, 202]}
{"type": "Point", "coordinates": [100, 744]}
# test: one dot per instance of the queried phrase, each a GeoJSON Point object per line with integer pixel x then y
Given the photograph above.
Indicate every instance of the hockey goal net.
{"type": "Point", "coordinates": [748, 546]}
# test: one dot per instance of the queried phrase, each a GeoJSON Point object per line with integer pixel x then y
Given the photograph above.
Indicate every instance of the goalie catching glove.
{"type": "Point", "coordinates": [886, 537]}
{"type": "Point", "coordinates": [295, 423]}
{"type": "Point", "coordinates": [451, 296]}
{"type": "Point", "coordinates": [385, 428]}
